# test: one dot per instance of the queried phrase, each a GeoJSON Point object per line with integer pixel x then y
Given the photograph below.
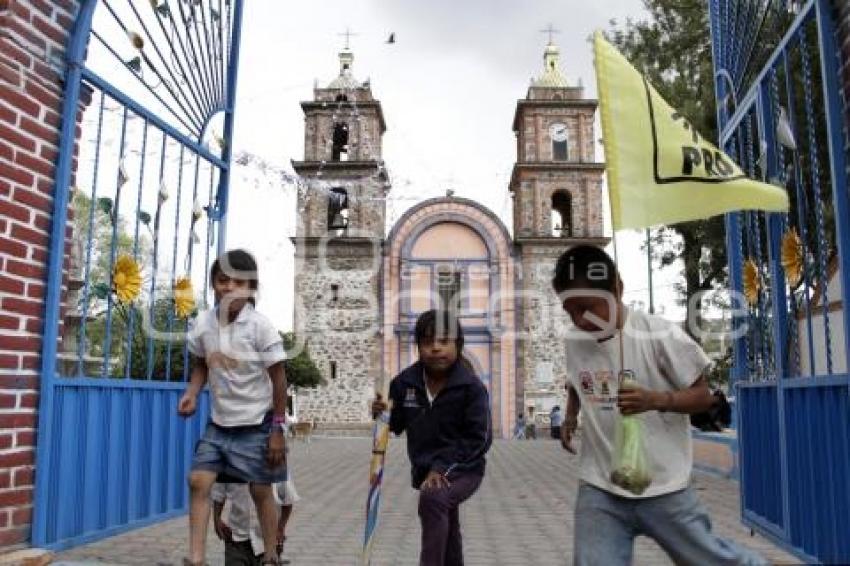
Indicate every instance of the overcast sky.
{"type": "Point", "coordinates": [448, 87]}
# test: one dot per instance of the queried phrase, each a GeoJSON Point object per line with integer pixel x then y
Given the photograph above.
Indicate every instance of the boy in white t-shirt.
{"type": "Point", "coordinates": [240, 354]}
{"type": "Point", "coordinates": [236, 522]}
{"type": "Point", "coordinates": [610, 340]}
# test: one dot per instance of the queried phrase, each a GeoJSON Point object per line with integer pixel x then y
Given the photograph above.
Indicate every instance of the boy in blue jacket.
{"type": "Point", "coordinates": [445, 410]}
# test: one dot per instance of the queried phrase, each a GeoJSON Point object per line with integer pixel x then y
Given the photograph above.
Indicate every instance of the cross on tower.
{"type": "Point", "coordinates": [550, 30]}
{"type": "Point", "coordinates": [348, 33]}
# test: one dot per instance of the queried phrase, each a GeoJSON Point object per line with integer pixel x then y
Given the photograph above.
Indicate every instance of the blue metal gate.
{"type": "Point", "coordinates": [140, 202]}
{"type": "Point", "coordinates": [776, 69]}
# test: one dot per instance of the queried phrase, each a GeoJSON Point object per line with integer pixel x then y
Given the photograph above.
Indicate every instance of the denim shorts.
{"type": "Point", "coordinates": [238, 452]}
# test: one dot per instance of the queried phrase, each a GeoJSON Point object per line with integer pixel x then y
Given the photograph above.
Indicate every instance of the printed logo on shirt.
{"type": "Point", "coordinates": [410, 398]}
{"type": "Point", "coordinates": [218, 360]}
{"type": "Point", "coordinates": [586, 379]}
{"type": "Point", "coordinates": [626, 375]}
{"type": "Point", "coordinates": [606, 393]}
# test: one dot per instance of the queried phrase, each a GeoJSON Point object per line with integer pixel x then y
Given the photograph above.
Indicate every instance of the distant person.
{"type": "Point", "coordinates": [530, 426]}
{"type": "Point", "coordinates": [445, 410]}
{"type": "Point", "coordinates": [240, 353]}
{"type": "Point", "coordinates": [666, 373]}
{"type": "Point", "coordinates": [555, 421]}
{"type": "Point", "coordinates": [519, 428]}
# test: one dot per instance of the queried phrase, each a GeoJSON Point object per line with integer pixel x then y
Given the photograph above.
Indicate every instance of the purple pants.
{"type": "Point", "coordinates": [438, 512]}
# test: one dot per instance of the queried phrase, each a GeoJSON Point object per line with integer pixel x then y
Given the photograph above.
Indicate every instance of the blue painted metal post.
{"type": "Point", "coordinates": [779, 301]}
{"type": "Point", "coordinates": [43, 464]}
{"type": "Point", "coordinates": [829, 76]}
{"type": "Point", "coordinates": [232, 74]}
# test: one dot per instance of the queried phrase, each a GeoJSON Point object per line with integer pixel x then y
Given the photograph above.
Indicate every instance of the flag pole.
{"type": "Point", "coordinates": [380, 441]}
{"type": "Point", "coordinates": [649, 273]}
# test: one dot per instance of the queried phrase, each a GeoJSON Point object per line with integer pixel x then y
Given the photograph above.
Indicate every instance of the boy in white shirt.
{"type": "Point", "coordinates": [240, 354]}
{"type": "Point", "coordinates": [610, 341]}
{"type": "Point", "coordinates": [239, 527]}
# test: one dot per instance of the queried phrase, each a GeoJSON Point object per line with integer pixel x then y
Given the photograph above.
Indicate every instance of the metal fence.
{"type": "Point", "coordinates": [140, 204]}
{"type": "Point", "coordinates": [776, 69]}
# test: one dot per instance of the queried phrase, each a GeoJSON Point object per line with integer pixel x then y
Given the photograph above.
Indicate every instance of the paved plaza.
{"type": "Point", "coordinates": [521, 515]}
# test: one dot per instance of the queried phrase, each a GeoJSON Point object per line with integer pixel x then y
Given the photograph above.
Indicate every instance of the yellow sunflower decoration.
{"type": "Point", "coordinates": [126, 279]}
{"type": "Point", "coordinates": [792, 257]}
{"type": "Point", "coordinates": [752, 281]}
{"type": "Point", "coordinates": [184, 297]}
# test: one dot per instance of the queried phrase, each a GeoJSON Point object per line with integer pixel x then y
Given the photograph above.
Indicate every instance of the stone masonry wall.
{"type": "Point", "coordinates": [33, 36]}
{"type": "Point", "coordinates": [537, 145]}
{"type": "Point", "coordinates": [533, 202]}
{"type": "Point", "coordinates": [542, 360]}
{"type": "Point", "coordinates": [342, 327]}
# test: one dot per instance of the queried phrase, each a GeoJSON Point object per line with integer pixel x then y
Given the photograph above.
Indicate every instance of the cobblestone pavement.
{"type": "Point", "coordinates": [521, 515]}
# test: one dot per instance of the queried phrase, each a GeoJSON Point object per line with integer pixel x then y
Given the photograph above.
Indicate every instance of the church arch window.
{"type": "Point", "coordinates": [341, 98]}
{"type": "Point", "coordinates": [562, 214]}
{"type": "Point", "coordinates": [338, 210]}
{"type": "Point", "coordinates": [339, 151]}
{"type": "Point", "coordinates": [448, 288]}
{"type": "Point", "coordinates": [560, 152]}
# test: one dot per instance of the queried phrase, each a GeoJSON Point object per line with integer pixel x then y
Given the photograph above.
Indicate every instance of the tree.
{"type": "Point", "coordinates": [673, 49]}
{"type": "Point", "coordinates": [301, 371]}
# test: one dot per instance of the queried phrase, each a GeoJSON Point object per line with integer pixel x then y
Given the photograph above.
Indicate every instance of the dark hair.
{"type": "Point", "coordinates": [434, 323]}
{"type": "Point", "coordinates": [587, 267]}
{"type": "Point", "coordinates": [237, 264]}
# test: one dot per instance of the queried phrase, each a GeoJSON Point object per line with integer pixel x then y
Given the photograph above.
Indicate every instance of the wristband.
{"type": "Point", "coordinates": [278, 419]}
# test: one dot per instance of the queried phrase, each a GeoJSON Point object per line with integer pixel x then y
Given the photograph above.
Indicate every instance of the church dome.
{"type": "Point", "coordinates": [346, 79]}
{"type": "Point", "coordinates": [552, 76]}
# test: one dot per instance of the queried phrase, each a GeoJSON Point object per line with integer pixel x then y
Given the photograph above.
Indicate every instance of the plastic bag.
{"type": "Point", "coordinates": [629, 468]}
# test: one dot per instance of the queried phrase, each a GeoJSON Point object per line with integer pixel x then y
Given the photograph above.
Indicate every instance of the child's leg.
{"type": "Point", "coordinates": [682, 527]}
{"type": "Point", "coordinates": [604, 528]}
{"type": "Point", "coordinates": [285, 512]}
{"type": "Point", "coordinates": [200, 484]}
{"type": "Point", "coordinates": [267, 514]}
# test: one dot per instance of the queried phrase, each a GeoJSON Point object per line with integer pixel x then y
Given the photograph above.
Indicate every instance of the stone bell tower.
{"type": "Point", "coordinates": [556, 187]}
{"type": "Point", "coordinates": [341, 215]}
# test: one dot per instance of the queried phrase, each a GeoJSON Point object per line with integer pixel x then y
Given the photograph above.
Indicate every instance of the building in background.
{"type": "Point", "coordinates": [358, 293]}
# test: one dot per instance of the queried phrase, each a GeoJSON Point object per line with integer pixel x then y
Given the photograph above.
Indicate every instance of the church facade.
{"type": "Point", "coordinates": [360, 285]}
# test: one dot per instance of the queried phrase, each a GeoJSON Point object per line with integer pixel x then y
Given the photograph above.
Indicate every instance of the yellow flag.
{"type": "Point", "coordinates": [660, 170]}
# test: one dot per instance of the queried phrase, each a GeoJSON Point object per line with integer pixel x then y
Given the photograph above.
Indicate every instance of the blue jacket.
{"type": "Point", "coordinates": [450, 435]}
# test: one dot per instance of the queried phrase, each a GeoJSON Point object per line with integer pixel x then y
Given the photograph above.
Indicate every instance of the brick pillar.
{"type": "Point", "coordinates": [33, 36]}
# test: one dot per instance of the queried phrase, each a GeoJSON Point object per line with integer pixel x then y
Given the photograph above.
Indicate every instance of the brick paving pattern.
{"type": "Point", "coordinates": [521, 515]}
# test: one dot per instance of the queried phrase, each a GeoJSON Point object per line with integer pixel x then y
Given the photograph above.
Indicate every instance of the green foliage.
{"type": "Point", "coordinates": [718, 374]}
{"type": "Point", "coordinates": [673, 49]}
{"type": "Point", "coordinates": [94, 233]}
{"type": "Point", "coordinates": [301, 371]}
{"type": "Point", "coordinates": [151, 329]}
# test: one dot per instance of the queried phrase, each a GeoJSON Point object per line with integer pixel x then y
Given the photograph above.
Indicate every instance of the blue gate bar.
{"type": "Point", "coordinates": [230, 107]}
{"type": "Point", "coordinates": [837, 159]}
{"type": "Point", "coordinates": [75, 57]}
{"type": "Point", "coordinates": [195, 145]}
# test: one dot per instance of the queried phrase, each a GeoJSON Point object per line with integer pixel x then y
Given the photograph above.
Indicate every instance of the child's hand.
{"type": "Point", "coordinates": [276, 454]}
{"type": "Point", "coordinates": [222, 530]}
{"type": "Point", "coordinates": [378, 406]}
{"type": "Point", "coordinates": [434, 480]}
{"type": "Point", "coordinates": [187, 405]}
{"type": "Point", "coordinates": [568, 429]}
{"type": "Point", "coordinates": [636, 400]}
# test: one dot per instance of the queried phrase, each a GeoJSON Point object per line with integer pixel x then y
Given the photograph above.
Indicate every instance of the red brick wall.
{"type": "Point", "coordinates": [33, 36]}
